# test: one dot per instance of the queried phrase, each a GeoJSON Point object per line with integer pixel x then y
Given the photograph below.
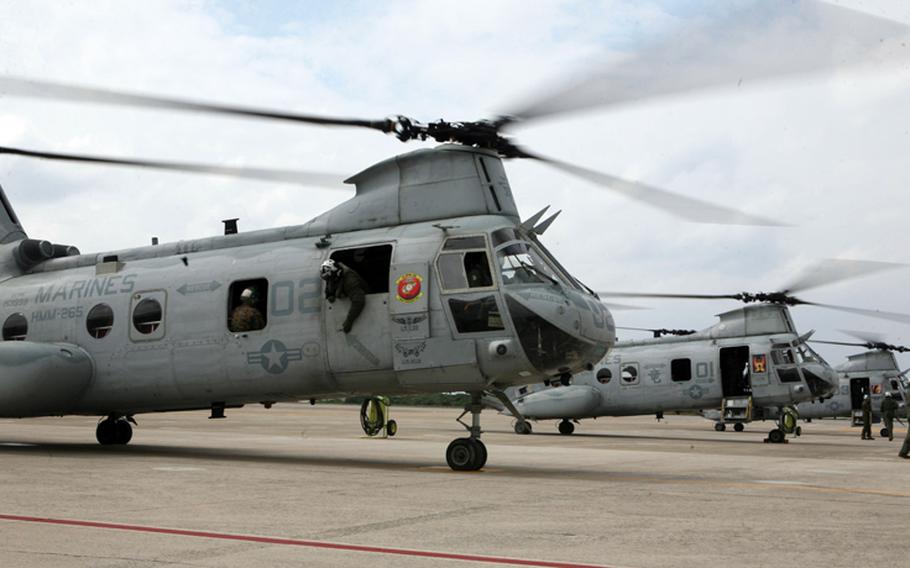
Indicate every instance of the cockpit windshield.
{"type": "Point", "coordinates": [520, 263]}
{"type": "Point", "coordinates": [807, 355]}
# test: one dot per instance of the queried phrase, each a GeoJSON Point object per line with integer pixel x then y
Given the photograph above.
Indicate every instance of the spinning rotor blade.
{"type": "Point", "coordinates": [751, 42]}
{"type": "Point", "coordinates": [621, 307]}
{"type": "Point", "coordinates": [670, 296]}
{"type": "Point", "coordinates": [869, 345]}
{"type": "Point", "coordinates": [688, 208]}
{"type": "Point", "coordinates": [864, 336]}
{"type": "Point", "coordinates": [661, 331]}
{"type": "Point", "coordinates": [831, 270]}
{"type": "Point", "coordinates": [19, 87]}
{"type": "Point", "coordinates": [318, 179]}
{"type": "Point", "coordinates": [891, 316]}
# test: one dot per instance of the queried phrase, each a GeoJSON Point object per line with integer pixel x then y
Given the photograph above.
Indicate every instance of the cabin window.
{"type": "Point", "coordinates": [372, 263]}
{"type": "Point", "coordinates": [473, 316]}
{"type": "Point", "coordinates": [247, 305]}
{"type": "Point", "coordinates": [15, 328]}
{"type": "Point", "coordinates": [604, 375]}
{"type": "Point", "coordinates": [100, 321]}
{"type": "Point", "coordinates": [630, 374]}
{"type": "Point", "coordinates": [681, 370]}
{"type": "Point", "coordinates": [147, 316]}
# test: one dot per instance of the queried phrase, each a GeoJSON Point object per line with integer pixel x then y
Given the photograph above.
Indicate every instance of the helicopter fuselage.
{"type": "Point", "coordinates": [459, 303]}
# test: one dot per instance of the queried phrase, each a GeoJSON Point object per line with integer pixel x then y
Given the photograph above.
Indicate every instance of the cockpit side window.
{"type": "Point", "coordinates": [782, 357]}
{"type": "Point", "coordinates": [464, 264]}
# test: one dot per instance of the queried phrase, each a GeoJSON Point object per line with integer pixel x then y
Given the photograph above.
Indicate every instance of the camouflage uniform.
{"type": "Point", "coordinates": [867, 419]}
{"type": "Point", "coordinates": [889, 407]}
{"type": "Point", "coordinates": [246, 318]}
{"type": "Point", "coordinates": [348, 285]}
{"type": "Point", "coordinates": [905, 449]}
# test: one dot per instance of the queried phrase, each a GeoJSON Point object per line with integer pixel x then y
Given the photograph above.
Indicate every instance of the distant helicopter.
{"type": "Point", "coordinates": [753, 364]}
{"type": "Point", "coordinates": [146, 329]}
{"type": "Point", "coordinates": [874, 372]}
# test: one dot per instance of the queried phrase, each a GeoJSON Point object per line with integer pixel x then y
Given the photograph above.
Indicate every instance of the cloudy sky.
{"type": "Point", "coordinates": [825, 153]}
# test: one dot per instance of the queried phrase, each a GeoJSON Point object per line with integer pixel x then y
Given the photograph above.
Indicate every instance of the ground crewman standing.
{"type": "Point", "coordinates": [905, 449]}
{"type": "Point", "coordinates": [867, 418]}
{"type": "Point", "coordinates": [889, 408]}
{"type": "Point", "coordinates": [344, 282]}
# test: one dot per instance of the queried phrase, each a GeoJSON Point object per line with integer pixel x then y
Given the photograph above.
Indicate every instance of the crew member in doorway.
{"type": "Point", "coordinates": [867, 418]}
{"type": "Point", "coordinates": [246, 317]}
{"type": "Point", "coordinates": [344, 282]}
{"type": "Point", "coordinates": [889, 408]}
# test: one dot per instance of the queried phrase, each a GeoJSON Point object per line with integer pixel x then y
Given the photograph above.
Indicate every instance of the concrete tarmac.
{"type": "Point", "coordinates": [297, 485]}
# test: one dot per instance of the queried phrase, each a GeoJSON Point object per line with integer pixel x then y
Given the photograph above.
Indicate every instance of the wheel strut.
{"type": "Point", "coordinates": [468, 454]}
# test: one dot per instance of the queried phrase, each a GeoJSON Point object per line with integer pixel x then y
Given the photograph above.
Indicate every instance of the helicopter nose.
{"type": "Point", "coordinates": [821, 379]}
{"type": "Point", "coordinates": [560, 331]}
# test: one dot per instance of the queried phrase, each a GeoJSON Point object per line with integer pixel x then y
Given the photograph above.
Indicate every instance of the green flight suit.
{"type": "Point", "coordinates": [905, 449]}
{"type": "Point", "coordinates": [348, 285]}
{"type": "Point", "coordinates": [867, 419]}
{"type": "Point", "coordinates": [889, 407]}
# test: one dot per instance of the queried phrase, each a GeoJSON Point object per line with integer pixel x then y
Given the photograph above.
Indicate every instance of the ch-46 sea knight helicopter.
{"type": "Point", "coordinates": [119, 333]}
{"type": "Point", "coordinates": [874, 372]}
{"type": "Point", "coordinates": [753, 364]}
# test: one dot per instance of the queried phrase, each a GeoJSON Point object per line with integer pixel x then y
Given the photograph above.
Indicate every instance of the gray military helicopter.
{"type": "Point", "coordinates": [874, 372]}
{"type": "Point", "coordinates": [463, 294]}
{"type": "Point", "coordinates": [753, 364]}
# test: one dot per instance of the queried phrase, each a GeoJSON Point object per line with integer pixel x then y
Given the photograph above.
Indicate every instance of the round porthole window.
{"type": "Point", "coordinates": [604, 375]}
{"type": "Point", "coordinates": [100, 320]}
{"type": "Point", "coordinates": [147, 316]}
{"type": "Point", "coordinates": [15, 328]}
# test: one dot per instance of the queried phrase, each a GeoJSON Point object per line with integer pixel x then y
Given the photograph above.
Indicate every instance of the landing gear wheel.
{"type": "Point", "coordinates": [114, 431]}
{"type": "Point", "coordinates": [462, 454]}
{"type": "Point", "coordinates": [798, 431]}
{"type": "Point", "coordinates": [776, 436]}
{"type": "Point", "coordinates": [391, 428]}
{"type": "Point", "coordinates": [523, 427]}
{"type": "Point", "coordinates": [884, 432]}
{"type": "Point", "coordinates": [566, 428]}
{"type": "Point", "coordinates": [739, 427]}
{"type": "Point", "coordinates": [480, 454]}
{"type": "Point", "coordinates": [720, 426]}
{"type": "Point", "coordinates": [123, 432]}
{"type": "Point", "coordinates": [106, 433]}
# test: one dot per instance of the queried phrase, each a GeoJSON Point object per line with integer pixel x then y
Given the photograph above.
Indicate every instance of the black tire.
{"type": "Point", "coordinates": [391, 428]}
{"type": "Point", "coordinates": [739, 427]}
{"type": "Point", "coordinates": [461, 455]}
{"type": "Point", "coordinates": [480, 455]}
{"type": "Point", "coordinates": [776, 436]}
{"type": "Point", "coordinates": [523, 428]}
{"type": "Point", "coordinates": [566, 428]}
{"type": "Point", "coordinates": [799, 431]}
{"type": "Point", "coordinates": [123, 432]}
{"type": "Point", "coordinates": [884, 432]}
{"type": "Point", "coordinates": [720, 426]}
{"type": "Point", "coordinates": [106, 433]}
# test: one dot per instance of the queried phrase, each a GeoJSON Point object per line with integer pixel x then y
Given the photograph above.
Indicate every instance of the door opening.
{"type": "Point", "coordinates": [734, 371]}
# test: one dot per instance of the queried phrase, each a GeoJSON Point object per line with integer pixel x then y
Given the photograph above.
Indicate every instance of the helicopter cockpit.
{"type": "Point", "coordinates": [513, 283]}
{"type": "Point", "coordinates": [796, 358]}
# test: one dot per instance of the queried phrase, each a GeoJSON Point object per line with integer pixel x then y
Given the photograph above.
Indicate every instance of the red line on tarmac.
{"type": "Point", "coordinates": [303, 543]}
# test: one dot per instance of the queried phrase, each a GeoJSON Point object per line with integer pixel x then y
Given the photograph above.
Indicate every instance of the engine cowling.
{"type": "Point", "coordinates": [42, 379]}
